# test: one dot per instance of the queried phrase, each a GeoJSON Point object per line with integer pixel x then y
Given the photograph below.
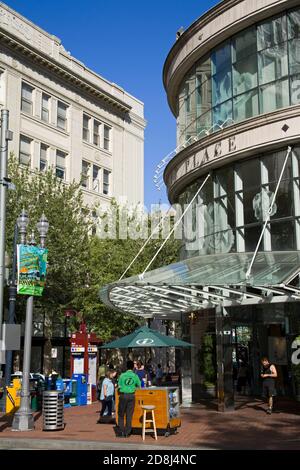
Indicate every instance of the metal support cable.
{"type": "Point", "coordinates": [141, 276]}
{"type": "Point", "coordinates": [146, 242]}
{"type": "Point", "coordinates": [269, 213]}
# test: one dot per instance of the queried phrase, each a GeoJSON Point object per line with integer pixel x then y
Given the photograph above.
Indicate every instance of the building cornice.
{"type": "Point", "coordinates": [49, 63]}
{"type": "Point", "coordinates": [192, 44]}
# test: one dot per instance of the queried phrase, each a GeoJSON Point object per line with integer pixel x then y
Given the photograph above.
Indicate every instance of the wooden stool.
{"type": "Point", "coordinates": [148, 409]}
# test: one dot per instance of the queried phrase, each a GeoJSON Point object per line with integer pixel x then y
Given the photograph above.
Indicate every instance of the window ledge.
{"type": "Point", "coordinates": [95, 147]}
{"type": "Point", "coordinates": [44, 123]}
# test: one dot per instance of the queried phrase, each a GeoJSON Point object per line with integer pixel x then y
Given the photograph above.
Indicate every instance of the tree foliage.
{"type": "Point", "coordinates": [79, 263]}
{"type": "Point", "coordinates": [68, 235]}
{"type": "Point", "coordinates": [109, 259]}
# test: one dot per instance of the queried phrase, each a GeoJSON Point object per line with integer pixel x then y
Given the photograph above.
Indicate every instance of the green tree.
{"type": "Point", "coordinates": [108, 260]}
{"type": "Point", "coordinates": [67, 238]}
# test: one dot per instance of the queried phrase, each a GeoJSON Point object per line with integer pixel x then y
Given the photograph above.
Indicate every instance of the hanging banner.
{"type": "Point", "coordinates": [32, 266]}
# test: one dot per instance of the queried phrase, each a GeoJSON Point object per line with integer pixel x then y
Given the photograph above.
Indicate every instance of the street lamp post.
{"type": "Point", "coordinates": [23, 418]}
{"type": "Point", "coordinates": [12, 297]}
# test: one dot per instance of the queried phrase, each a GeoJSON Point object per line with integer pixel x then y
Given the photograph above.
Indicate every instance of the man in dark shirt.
{"type": "Point", "coordinates": [128, 383]}
{"type": "Point", "coordinates": [268, 374]}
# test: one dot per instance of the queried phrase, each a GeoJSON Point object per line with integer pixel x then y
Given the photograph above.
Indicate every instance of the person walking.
{"type": "Point", "coordinates": [269, 375]}
{"type": "Point", "coordinates": [102, 370]}
{"type": "Point", "coordinates": [127, 384]}
{"type": "Point", "coordinates": [107, 395]}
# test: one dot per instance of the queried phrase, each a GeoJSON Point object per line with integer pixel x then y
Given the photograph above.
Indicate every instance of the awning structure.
{"type": "Point", "coordinates": [206, 281]}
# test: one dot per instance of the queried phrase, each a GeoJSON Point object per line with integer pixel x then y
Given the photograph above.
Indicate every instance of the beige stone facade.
{"type": "Point", "coordinates": [64, 115]}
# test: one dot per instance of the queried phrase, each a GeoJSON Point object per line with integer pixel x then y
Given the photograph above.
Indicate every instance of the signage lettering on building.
{"type": "Point", "coordinates": [296, 354]}
{"type": "Point", "coordinates": [202, 157]}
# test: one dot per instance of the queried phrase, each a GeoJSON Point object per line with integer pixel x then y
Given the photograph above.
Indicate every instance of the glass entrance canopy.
{"type": "Point", "coordinates": [206, 281]}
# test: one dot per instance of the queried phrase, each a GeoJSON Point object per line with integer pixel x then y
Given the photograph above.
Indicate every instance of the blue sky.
{"type": "Point", "coordinates": [125, 41]}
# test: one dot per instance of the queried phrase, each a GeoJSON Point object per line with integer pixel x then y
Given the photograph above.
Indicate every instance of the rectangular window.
{"type": "Point", "coordinates": [26, 99]}
{"type": "Point", "coordinates": [45, 107]}
{"type": "Point", "coordinates": [222, 114]}
{"type": "Point", "coordinates": [272, 64]}
{"type": "Point", "coordinates": [221, 87]}
{"type": "Point", "coordinates": [294, 24]}
{"type": "Point", "coordinates": [283, 236]}
{"type": "Point", "coordinates": [106, 177]}
{"type": "Point", "coordinates": [60, 169]}
{"type": "Point", "coordinates": [96, 133]}
{"type": "Point", "coordinates": [245, 106]}
{"type": "Point", "coordinates": [221, 58]}
{"type": "Point", "coordinates": [245, 75]}
{"type": "Point", "coordinates": [106, 137]}
{"type": "Point", "coordinates": [294, 56]}
{"type": "Point", "coordinates": [271, 32]}
{"type": "Point", "coordinates": [86, 128]}
{"type": "Point", "coordinates": [203, 122]}
{"type": "Point", "coordinates": [295, 89]}
{"type": "Point", "coordinates": [85, 174]}
{"type": "Point", "coordinates": [25, 150]}
{"type": "Point", "coordinates": [96, 183]}
{"type": "Point", "coordinates": [62, 115]}
{"type": "Point", "coordinates": [244, 45]}
{"type": "Point", "coordinates": [274, 96]}
{"type": "Point", "coordinates": [43, 157]}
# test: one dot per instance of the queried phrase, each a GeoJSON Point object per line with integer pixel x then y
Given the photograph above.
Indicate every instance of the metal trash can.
{"type": "Point", "coordinates": [53, 410]}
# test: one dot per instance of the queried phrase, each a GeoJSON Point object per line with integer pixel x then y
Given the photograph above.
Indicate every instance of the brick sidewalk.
{"type": "Point", "coordinates": [248, 427]}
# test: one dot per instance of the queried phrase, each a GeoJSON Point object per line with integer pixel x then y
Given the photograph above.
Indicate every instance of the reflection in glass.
{"type": "Point", "coordinates": [294, 56]}
{"type": "Point", "coordinates": [203, 98]}
{"type": "Point", "coordinates": [221, 87]}
{"type": "Point", "coordinates": [252, 237]}
{"type": "Point", "coordinates": [271, 32]}
{"type": "Point", "coordinates": [245, 106]}
{"type": "Point", "coordinates": [221, 58]}
{"type": "Point", "coordinates": [272, 64]}
{"type": "Point", "coordinates": [273, 163]}
{"type": "Point", "coordinates": [294, 24]}
{"type": "Point", "coordinates": [284, 199]}
{"type": "Point", "coordinates": [248, 70]}
{"type": "Point", "coordinates": [274, 96]}
{"type": "Point", "coordinates": [283, 235]}
{"type": "Point", "coordinates": [222, 114]}
{"type": "Point", "coordinates": [216, 206]}
{"type": "Point", "coordinates": [245, 75]}
{"type": "Point", "coordinates": [295, 89]}
{"type": "Point", "coordinates": [244, 45]}
{"type": "Point", "coordinates": [203, 122]}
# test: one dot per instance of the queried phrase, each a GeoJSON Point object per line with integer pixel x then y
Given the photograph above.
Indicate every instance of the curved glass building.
{"type": "Point", "coordinates": [233, 84]}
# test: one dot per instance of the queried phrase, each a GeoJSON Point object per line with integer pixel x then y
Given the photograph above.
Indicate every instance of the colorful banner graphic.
{"type": "Point", "coordinates": [32, 267]}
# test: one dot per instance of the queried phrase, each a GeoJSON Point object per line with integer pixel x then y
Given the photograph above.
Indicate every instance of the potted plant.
{"type": "Point", "coordinates": [208, 366]}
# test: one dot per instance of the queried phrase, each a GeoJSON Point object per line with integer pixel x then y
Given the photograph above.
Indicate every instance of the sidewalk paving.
{"type": "Point", "coordinates": [248, 427]}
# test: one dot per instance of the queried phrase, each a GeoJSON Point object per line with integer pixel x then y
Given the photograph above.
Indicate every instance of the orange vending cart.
{"type": "Point", "coordinates": [166, 402]}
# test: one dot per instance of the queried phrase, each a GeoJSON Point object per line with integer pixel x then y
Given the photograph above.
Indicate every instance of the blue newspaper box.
{"type": "Point", "coordinates": [81, 388]}
{"type": "Point", "coordinates": [67, 392]}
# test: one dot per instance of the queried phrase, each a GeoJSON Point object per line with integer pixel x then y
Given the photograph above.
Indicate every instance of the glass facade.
{"type": "Point", "coordinates": [229, 213]}
{"type": "Point", "coordinates": [255, 72]}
